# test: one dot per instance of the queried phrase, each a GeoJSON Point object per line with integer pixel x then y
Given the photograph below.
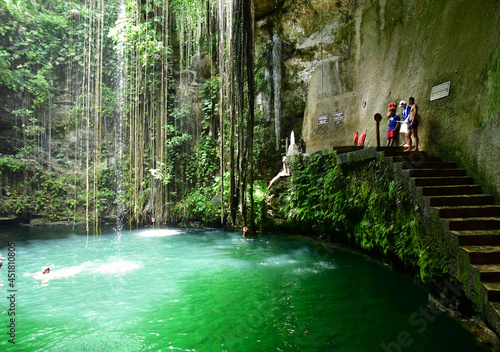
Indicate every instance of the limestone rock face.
{"type": "Point", "coordinates": [311, 31]}
{"type": "Point", "coordinates": [61, 108]}
{"type": "Point", "coordinates": [331, 112]}
{"type": "Point", "coordinates": [359, 56]}
{"type": "Point", "coordinates": [8, 140]}
{"type": "Point", "coordinates": [7, 104]}
{"type": "Point", "coordinates": [265, 7]}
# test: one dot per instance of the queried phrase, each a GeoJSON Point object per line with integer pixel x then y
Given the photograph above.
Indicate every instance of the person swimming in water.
{"type": "Point", "coordinates": [46, 270]}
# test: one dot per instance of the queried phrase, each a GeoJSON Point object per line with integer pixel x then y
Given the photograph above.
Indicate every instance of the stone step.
{"type": "Point", "coordinates": [392, 151]}
{"type": "Point", "coordinates": [451, 190]}
{"type": "Point", "coordinates": [347, 148]}
{"type": "Point", "coordinates": [415, 158]}
{"type": "Point", "coordinates": [461, 200]}
{"type": "Point", "coordinates": [470, 215]}
{"type": "Point", "coordinates": [478, 211]}
{"type": "Point", "coordinates": [478, 238]}
{"type": "Point", "coordinates": [414, 154]}
{"type": "Point", "coordinates": [443, 181]}
{"type": "Point", "coordinates": [430, 165]}
{"type": "Point", "coordinates": [488, 272]}
{"type": "Point", "coordinates": [471, 224]}
{"type": "Point", "coordinates": [437, 172]}
{"type": "Point", "coordinates": [483, 254]}
{"type": "Point", "coordinates": [493, 289]}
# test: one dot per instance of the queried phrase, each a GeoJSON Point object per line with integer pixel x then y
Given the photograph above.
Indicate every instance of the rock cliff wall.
{"type": "Point", "coordinates": [357, 57]}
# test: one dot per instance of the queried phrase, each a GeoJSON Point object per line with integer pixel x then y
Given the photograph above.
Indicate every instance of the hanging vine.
{"type": "Point", "coordinates": [138, 141]}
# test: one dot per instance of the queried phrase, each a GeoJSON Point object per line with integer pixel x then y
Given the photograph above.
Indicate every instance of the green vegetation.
{"type": "Point", "coordinates": [9, 164]}
{"type": "Point", "coordinates": [30, 191]}
{"type": "Point", "coordinates": [363, 207]}
{"type": "Point", "coordinates": [188, 151]}
{"type": "Point", "coordinates": [138, 133]}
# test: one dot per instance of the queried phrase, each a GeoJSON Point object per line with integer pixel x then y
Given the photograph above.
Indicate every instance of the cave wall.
{"type": "Point", "coordinates": [357, 57]}
{"type": "Point", "coordinates": [9, 141]}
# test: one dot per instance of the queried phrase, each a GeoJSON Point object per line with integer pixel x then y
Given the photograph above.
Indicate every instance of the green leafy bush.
{"type": "Point", "coordinates": [8, 163]}
{"type": "Point", "coordinates": [363, 207]}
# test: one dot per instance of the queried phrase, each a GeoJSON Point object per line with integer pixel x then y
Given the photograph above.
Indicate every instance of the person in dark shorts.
{"type": "Point", "coordinates": [412, 125]}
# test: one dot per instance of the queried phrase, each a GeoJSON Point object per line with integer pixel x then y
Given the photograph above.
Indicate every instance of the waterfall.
{"type": "Point", "coordinates": [119, 123]}
{"type": "Point", "coordinates": [277, 86]}
{"type": "Point", "coordinates": [268, 98]}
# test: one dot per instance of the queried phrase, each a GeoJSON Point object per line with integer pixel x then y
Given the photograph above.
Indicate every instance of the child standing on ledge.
{"type": "Point", "coordinates": [393, 126]}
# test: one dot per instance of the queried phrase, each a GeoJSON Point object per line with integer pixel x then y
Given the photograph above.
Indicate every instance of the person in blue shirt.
{"type": "Point", "coordinates": [403, 130]}
{"type": "Point", "coordinates": [393, 127]}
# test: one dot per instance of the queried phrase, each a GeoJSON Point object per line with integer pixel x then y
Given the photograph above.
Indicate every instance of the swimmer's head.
{"type": "Point", "coordinates": [46, 270]}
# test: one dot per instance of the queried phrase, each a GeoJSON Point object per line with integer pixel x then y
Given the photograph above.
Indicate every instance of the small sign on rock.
{"type": "Point", "coordinates": [440, 91]}
{"type": "Point", "coordinates": [323, 120]}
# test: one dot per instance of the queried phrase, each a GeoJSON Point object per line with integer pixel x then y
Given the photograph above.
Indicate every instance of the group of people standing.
{"type": "Point", "coordinates": [407, 125]}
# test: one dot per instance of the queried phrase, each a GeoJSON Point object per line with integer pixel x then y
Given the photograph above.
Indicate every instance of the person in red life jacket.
{"type": "Point", "coordinates": [391, 107]}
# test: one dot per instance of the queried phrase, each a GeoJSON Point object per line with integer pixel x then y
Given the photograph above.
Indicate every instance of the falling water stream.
{"type": "Point", "coordinates": [122, 108]}
{"type": "Point", "coordinates": [209, 290]}
{"type": "Point", "coordinates": [277, 59]}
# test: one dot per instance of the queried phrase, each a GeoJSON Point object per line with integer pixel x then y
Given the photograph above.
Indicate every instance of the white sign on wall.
{"type": "Point", "coordinates": [440, 91]}
{"type": "Point", "coordinates": [339, 116]}
{"type": "Point", "coordinates": [322, 119]}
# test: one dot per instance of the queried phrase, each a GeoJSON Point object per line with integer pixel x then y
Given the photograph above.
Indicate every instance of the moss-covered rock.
{"type": "Point", "coordinates": [361, 204]}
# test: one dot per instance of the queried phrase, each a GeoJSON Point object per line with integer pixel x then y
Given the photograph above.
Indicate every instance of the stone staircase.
{"type": "Point", "coordinates": [469, 218]}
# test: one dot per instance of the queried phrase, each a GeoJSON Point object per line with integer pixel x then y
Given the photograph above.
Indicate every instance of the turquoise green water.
{"type": "Point", "coordinates": [207, 290]}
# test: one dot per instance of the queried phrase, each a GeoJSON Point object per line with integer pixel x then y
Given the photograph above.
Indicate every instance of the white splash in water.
{"type": "Point", "coordinates": [316, 269]}
{"type": "Point", "coordinates": [96, 267]}
{"type": "Point", "coordinates": [119, 267]}
{"type": "Point", "coordinates": [59, 273]}
{"type": "Point", "coordinates": [279, 261]}
{"type": "Point", "coordinates": [159, 233]}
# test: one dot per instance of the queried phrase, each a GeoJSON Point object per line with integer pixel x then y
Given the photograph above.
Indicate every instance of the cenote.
{"type": "Point", "coordinates": [211, 290]}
